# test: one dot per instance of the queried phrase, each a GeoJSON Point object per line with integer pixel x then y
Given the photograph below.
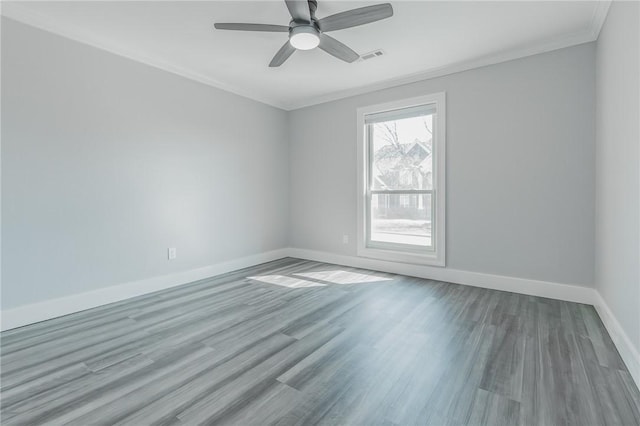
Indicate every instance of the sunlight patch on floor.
{"type": "Point", "coordinates": [343, 277]}
{"type": "Point", "coordinates": [285, 281]}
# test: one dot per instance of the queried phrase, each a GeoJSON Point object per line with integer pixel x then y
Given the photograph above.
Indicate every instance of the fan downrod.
{"type": "Point", "coordinates": [313, 6]}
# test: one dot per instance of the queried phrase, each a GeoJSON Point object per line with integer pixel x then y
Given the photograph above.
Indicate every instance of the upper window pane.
{"type": "Point", "coordinates": [402, 153]}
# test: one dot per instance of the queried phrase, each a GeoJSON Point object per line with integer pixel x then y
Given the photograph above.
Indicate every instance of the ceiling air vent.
{"type": "Point", "coordinates": [371, 55]}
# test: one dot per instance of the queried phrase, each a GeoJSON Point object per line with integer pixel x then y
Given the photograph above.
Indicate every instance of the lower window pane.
{"type": "Point", "coordinates": [401, 219]}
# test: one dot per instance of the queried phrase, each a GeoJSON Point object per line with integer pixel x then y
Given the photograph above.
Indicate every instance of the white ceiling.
{"type": "Point", "coordinates": [423, 39]}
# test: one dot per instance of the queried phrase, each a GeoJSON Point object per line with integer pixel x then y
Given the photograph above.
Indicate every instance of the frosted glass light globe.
{"type": "Point", "coordinates": [304, 38]}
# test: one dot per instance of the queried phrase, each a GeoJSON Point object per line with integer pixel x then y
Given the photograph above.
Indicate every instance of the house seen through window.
{"type": "Point", "coordinates": [403, 157]}
{"type": "Point", "coordinates": [401, 180]}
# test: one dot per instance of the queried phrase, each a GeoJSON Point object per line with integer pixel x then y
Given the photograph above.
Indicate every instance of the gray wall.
{"type": "Point", "coordinates": [520, 167]}
{"type": "Point", "coordinates": [107, 162]}
{"type": "Point", "coordinates": [618, 166]}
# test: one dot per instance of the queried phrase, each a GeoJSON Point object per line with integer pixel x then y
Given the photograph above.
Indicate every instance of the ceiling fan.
{"type": "Point", "coordinates": [307, 32]}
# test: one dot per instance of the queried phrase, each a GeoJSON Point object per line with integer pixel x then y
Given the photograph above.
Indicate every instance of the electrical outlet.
{"type": "Point", "coordinates": [345, 239]}
{"type": "Point", "coordinates": [172, 252]}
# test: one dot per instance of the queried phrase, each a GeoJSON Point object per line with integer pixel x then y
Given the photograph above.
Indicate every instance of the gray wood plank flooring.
{"type": "Point", "coordinates": [294, 342]}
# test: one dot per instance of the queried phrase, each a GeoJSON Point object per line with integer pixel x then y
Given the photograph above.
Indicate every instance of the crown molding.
{"type": "Point", "coordinates": [14, 11]}
{"type": "Point", "coordinates": [586, 36]}
{"type": "Point", "coordinates": [599, 16]}
{"type": "Point", "coordinates": [522, 52]}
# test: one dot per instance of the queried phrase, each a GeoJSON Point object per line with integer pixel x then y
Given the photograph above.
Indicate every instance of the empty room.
{"type": "Point", "coordinates": [300, 212]}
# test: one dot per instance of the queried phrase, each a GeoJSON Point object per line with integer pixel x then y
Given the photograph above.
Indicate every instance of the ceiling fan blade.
{"type": "Point", "coordinates": [283, 54]}
{"type": "Point", "coordinates": [337, 49]}
{"type": "Point", "coordinates": [252, 27]}
{"type": "Point", "coordinates": [299, 10]}
{"type": "Point", "coordinates": [355, 17]}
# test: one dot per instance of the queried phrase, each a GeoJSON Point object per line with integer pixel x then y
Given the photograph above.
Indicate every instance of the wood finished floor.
{"type": "Point", "coordinates": [299, 342]}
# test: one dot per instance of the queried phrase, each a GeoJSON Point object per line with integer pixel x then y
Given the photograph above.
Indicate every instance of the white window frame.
{"type": "Point", "coordinates": [436, 256]}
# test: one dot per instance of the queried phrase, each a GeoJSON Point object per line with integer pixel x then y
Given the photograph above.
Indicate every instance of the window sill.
{"type": "Point", "coordinates": [429, 259]}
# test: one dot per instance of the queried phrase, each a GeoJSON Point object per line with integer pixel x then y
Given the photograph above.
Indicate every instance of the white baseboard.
{"type": "Point", "coordinates": [36, 312]}
{"type": "Point", "coordinates": [48, 309]}
{"type": "Point", "coordinates": [627, 350]}
{"type": "Point", "coordinates": [568, 292]}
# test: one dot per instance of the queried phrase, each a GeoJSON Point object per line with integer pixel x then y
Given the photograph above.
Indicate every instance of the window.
{"type": "Point", "coordinates": [404, 201]}
{"type": "Point", "coordinates": [401, 160]}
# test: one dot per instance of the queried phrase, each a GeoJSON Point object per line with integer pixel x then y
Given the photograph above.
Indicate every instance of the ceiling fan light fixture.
{"type": "Point", "coordinates": [306, 32]}
{"type": "Point", "coordinates": [304, 37]}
